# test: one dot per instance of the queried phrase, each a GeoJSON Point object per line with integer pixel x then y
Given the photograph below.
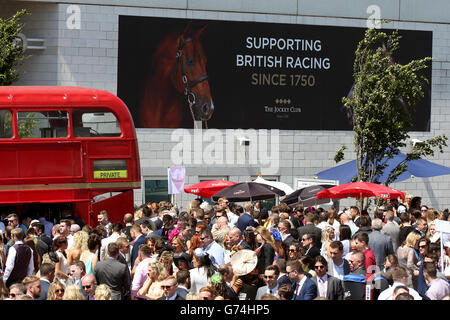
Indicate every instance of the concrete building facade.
{"type": "Point", "coordinates": [76, 43]}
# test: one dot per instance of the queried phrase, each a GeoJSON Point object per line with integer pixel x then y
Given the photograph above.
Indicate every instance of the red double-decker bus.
{"type": "Point", "coordinates": [67, 147]}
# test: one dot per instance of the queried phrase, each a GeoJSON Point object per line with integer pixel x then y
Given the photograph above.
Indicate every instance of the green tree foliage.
{"type": "Point", "coordinates": [11, 49]}
{"type": "Point", "coordinates": [383, 99]}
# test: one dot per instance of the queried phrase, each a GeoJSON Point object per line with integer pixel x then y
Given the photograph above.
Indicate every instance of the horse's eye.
{"type": "Point", "coordinates": [190, 61]}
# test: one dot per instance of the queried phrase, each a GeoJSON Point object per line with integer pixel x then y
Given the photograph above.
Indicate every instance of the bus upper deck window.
{"type": "Point", "coordinates": [42, 124]}
{"type": "Point", "coordinates": [6, 130]}
{"type": "Point", "coordinates": [95, 123]}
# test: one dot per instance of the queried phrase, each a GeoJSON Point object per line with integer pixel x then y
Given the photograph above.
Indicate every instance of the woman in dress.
{"type": "Point", "coordinates": [90, 256]}
{"type": "Point", "coordinates": [328, 235]}
{"type": "Point", "coordinates": [266, 248]}
{"type": "Point", "coordinates": [80, 241]}
{"type": "Point", "coordinates": [61, 267]}
{"type": "Point", "coordinates": [406, 254]}
{"type": "Point", "coordinates": [202, 271]}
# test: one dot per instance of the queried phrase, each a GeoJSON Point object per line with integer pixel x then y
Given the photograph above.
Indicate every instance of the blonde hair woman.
{"type": "Point", "coordinates": [166, 259]}
{"type": "Point", "coordinates": [102, 292]}
{"type": "Point", "coordinates": [151, 289]}
{"type": "Point", "coordinates": [80, 244]}
{"type": "Point", "coordinates": [73, 292]}
{"type": "Point", "coordinates": [406, 254]}
{"type": "Point", "coordinates": [56, 291]}
{"type": "Point", "coordinates": [266, 248]}
{"type": "Point", "coordinates": [328, 236]}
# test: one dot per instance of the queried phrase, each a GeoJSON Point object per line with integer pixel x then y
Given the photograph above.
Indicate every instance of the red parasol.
{"type": "Point", "coordinates": [361, 190]}
{"type": "Point", "coordinates": [206, 189]}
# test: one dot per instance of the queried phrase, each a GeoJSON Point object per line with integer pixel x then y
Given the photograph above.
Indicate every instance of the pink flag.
{"type": "Point", "coordinates": [176, 178]}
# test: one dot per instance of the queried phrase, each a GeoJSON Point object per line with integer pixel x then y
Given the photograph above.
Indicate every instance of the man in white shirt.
{"type": "Point", "coordinates": [117, 231]}
{"type": "Point", "coordinates": [19, 263]}
{"type": "Point", "coordinates": [346, 219]}
{"type": "Point", "coordinates": [338, 266]}
{"type": "Point", "coordinates": [400, 278]}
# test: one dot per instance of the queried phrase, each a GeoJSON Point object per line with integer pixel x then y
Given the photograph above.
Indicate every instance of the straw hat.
{"type": "Point", "coordinates": [243, 262]}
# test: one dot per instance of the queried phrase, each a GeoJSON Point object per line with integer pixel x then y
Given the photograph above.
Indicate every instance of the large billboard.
{"type": "Point", "coordinates": [245, 75]}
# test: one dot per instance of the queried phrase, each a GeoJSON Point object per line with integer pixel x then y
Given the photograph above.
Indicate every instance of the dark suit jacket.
{"type": "Point", "coordinates": [283, 279]}
{"type": "Point", "coordinates": [308, 291]}
{"type": "Point", "coordinates": [244, 221]}
{"type": "Point", "coordinates": [311, 228]}
{"type": "Point", "coordinates": [44, 290]}
{"type": "Point", "coordinates": [335, 288]}
{"type": "Point", "coordinates": [265, 257]}
{"type": "Point", "coordinates": [313, 252]}
{"type": "Point", "coordinates": [116, 275]}
{"type": "Point", "coordinates": [134, 252]}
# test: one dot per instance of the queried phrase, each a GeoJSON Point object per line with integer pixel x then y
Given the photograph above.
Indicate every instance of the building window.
{"type": "Point", "coordinates": [156, 190]}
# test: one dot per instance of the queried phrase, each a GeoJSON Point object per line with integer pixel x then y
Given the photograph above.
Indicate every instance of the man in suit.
{"type": "Point", "coordinates": [309, 227]}
{"type": "Point", "coordinates": [392, 229]}
{"type": "Point", "coordinates": [169, 286]}
{"type": "Point", "coordinates": [47, 275]}
{"type": "Point", "coordinates": [246, 219]}
{"type": "Point", "coordinates": [308, 242]}
{"type": "Point", "coordinates": [128, 219]}
{"type": "Point", "coordinates": [338, 266]}
{"type": "Point", "coordinates": [124, 250]}
{"type": "Point", "coordinates": [89, 285]}
{"type": "Point", "coordinates": [327, 286]}
{"type": "Point", "coordinates": [271, 274]}
{"type": "Point", "coordinates": [184, 283]}
{"type": "Point", "coordinates": [139, 239]}
{"type": "Point", "coordinates": [114, 274]}
{"type": "Point", "coordinates": [380, 243]}
{"type": "Point", "coordinates": [304, 288]}
{"type": "Point", "coordinates": [284, 228]}
{"type": "Point", "coordinates": [235, 238]}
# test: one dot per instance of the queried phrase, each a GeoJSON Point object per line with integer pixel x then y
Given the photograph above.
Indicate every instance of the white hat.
{"type": "Point", "coordinates": [243, 262]}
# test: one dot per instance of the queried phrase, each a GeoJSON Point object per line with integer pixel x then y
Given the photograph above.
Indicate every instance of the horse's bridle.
{"type": "Point", "coordinates": [190, 95]}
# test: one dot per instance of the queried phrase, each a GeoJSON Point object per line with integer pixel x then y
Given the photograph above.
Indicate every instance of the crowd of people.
{"type": "Point", "coordinates": [225, 251]}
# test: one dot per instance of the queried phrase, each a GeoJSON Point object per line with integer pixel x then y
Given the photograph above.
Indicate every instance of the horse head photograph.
{"type": "Point", "coordinates": [178, 85]}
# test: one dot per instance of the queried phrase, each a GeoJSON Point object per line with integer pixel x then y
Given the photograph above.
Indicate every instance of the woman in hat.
{"type": "Point", "coordinates": [203, 270]}
{"type": "Point", "coordinates": [266, 248]}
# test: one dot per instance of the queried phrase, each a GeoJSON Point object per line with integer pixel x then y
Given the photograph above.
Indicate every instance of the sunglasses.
{"type": "Point", "coordinates": [269, 277]}
{"type": "Point", "coordinates": [202, 238]}
{"type": "Point", "coordinates": [319, 267]}
{"type": "Point", "coordinates": [59, 291]}
{"type": "Point", "coordinates": [423, 246]}
{"type": "Point", "coordinates": [166, 287]}
{"type": "Point", "coordinates": [304, 239]}
{"type": "Point", "coordinates": [87, 287]}
{"type": "Point", "coordinates": [292, 250]}
{"type": "Point", "coordinates": [12, 295]}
